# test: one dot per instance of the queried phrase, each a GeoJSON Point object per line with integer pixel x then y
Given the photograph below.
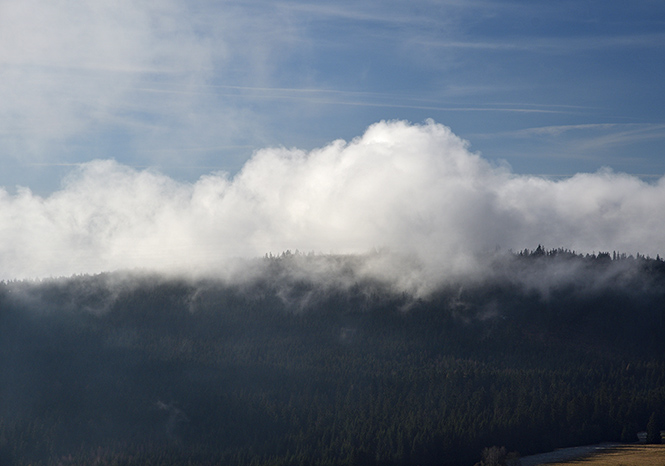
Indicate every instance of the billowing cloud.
{"type": "Point", "coordinates": [413, 190]}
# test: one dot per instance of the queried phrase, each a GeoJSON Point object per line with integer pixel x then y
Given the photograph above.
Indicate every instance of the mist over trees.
{"type": "Point", "coordinates": [305, 359]}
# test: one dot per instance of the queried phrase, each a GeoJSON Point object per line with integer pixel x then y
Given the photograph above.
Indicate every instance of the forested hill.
{"type": "Point", "coordinates": [282, 367]}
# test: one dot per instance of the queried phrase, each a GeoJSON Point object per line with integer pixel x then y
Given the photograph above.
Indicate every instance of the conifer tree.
{"type": "Point", "coordinates": [653, 430]}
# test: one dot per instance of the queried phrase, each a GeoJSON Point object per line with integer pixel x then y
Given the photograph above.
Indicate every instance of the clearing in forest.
{"type": "Point", "coordinates": [625, 455]}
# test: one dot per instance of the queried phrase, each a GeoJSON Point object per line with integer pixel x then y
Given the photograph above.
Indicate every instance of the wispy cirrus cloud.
{"type": "Point", "coordinates": [363, 98]}
{"type": "Point", "coordinates": [555, 45]}
{"type": "Point", "coordinates": [68, 66]}
{"type": "Point", "coordinates": [627, 134]}
{"type": "Point", "coordinates": [618, 132]}
{"type": "Point", "coordinates": [557, 129]}
{"type": "Point", "coordinates": [600, 144]}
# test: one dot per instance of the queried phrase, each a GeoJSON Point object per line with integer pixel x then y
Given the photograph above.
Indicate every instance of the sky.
{"type": "Point", "coordinates": [115, 115]}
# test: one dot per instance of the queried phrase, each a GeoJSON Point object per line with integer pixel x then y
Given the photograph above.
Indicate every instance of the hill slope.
{"type": "Point", "coordinates": [552, 350]}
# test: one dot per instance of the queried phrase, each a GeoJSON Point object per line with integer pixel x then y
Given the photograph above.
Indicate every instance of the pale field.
{"type": "Point", "coordinates": [625, 455]}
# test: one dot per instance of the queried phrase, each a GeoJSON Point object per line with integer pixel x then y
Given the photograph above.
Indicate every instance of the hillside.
{"type": "Point", "coordinates": [551, 349]}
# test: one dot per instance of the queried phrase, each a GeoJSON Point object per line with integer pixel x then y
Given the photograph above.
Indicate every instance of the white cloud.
{"type": "Point", "coordinates": [133, 79]}
{"type": "Point", "coordinates": [69, 67]}
{"type": "Point", "coordinates": [414, 189]}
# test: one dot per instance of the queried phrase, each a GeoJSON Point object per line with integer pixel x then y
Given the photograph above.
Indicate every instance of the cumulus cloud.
{"type": "Point", "coordinates": [416, 191]}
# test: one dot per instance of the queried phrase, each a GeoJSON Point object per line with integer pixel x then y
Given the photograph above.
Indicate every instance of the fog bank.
{"type": "Point", "coordinates": [412, 191]}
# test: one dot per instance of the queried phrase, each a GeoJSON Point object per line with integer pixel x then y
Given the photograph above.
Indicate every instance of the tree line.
{"type": "Point", "coordinates": [108, 369]}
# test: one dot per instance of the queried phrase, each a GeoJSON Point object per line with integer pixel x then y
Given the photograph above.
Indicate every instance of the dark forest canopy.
{"type": "Point", "coordinates": [305, 360]}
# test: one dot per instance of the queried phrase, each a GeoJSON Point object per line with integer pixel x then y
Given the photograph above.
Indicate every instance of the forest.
{"type": "Point", "coordinates": [552, 349]}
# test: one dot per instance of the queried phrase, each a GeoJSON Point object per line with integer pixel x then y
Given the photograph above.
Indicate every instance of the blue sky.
{"type": "Point", "coordinates": [179, 135]}
{"type": "Point", "coordinates": [192, 87]}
